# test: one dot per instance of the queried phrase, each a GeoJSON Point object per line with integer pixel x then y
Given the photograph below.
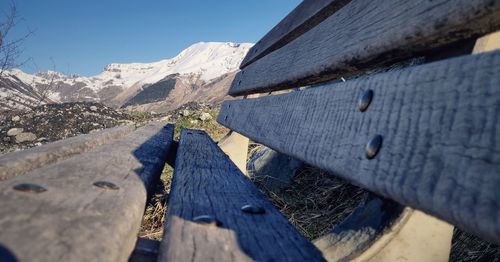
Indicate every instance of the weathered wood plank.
{"type": "Point", "coordinates": [206, 182]}
{"type": "Point", "coordinates": [21, 162]}
{"type": "Point", "coordinates": [146, 250]}
{"type": "Point", "coordinates": [305, 16]}
{"type": "Point", "coordinates": [76, 220]}
{"type": "Point", "coordinates": [440, 124]}
{"type": "Point", "coordinates": [366, 34]}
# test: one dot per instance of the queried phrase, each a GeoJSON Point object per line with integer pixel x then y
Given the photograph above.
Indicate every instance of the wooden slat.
{"type": "Point", "coordinates": [366, 34]}
{"type": "Point", "coordinates": [441, 128]}
{"type": "Point", "coordinates": [21, 162]}
{"type": "Point", "coordinates": [305, 16]}
{"type": "Point", "coordinates": [206, 182]}
{"type": "Point", "coordinates": [74, 220]}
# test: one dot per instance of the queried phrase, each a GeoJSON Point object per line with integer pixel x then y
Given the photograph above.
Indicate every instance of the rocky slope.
{"type": "Point", "coordinates": [52, 122]}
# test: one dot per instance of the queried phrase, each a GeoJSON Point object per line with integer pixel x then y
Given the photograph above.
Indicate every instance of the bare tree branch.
{"type": "Point", "coordinates": [10, 49]}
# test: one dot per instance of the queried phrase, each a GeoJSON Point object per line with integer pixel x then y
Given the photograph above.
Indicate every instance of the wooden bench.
{"type": "Point", "coordinates": [423, 139]}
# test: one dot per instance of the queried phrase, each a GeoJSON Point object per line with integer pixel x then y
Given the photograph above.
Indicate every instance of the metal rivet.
{"type": "Point", "coordinates": [106, 185]}
{"type": "Point", "coordinates": [30, 188]}
{"type": "Point", "coordinates": [365, 99]}
{"type": "Point", "coordinates": [373, 146]}
{"type": "Point", "coordinates": [250, 209]}
{"type": "Point", "coordinates": [207, 220]}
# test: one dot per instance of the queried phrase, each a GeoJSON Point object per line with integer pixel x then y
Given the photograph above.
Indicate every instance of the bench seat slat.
{"type": "Point", "coordinates": [74, 219]}
{"type": "Point", "coordinates": [206, 182]}
{"type": "Point", "coordinates": [21, 162]}
{"type": "Point", "coordinates": [440, 124]}
{"type": "Point", "coordinates": [365, 34]}
{"type": "Point", "coordinates": [305, 16]}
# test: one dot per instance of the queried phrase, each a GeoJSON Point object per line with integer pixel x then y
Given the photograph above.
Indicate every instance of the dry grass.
{"type": "Point", "coordinates": [154, 216]}
{"type": "Point", "coordinates": [466, 247]}
{"type": "Point", "coordinates": [315, 201]}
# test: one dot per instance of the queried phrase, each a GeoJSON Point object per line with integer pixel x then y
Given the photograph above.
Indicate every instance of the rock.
{"type": "Point", "coordinates": [185, 112]}
{"type": "Point", "coordinates": [273, 169]}
{"type": "Point", "coordinates": [93, 108]}
{"type": "Point", "coordinates": [16, 118]}
{"type": "Point", "coordinates": [96, 124]}
{"type": "Point", "coordinates": [205, 117]}
{"type": "Point", "coordinates": [14, 131]}
{"type": "Point", "coordinates": [25, 137]}
{"type": "Point", "coordinates": [42, 139]}
{"type": "Point", "coordinates": [194, 122]}
{"type": "Point", "coordinates": [165, 118]}
{"type": "Point", "coordinates": [6, 139]}
{"type": "Point", "coordinates": [127, 122]}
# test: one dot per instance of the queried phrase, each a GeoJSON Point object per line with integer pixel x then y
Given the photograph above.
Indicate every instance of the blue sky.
{"type": "Point", "coordinates": [82, 36]}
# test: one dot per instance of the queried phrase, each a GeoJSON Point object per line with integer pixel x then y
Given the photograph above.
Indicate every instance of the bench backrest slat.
{"type": "Point", "coordinates": [305, 16]}
{"type": "Point", "coordinates": [364, 34]}
{"type": "Point", "coordinates": [440, 127]}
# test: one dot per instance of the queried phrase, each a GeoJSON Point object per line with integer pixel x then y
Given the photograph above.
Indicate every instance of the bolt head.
{"type": "Point", "coordinates": [254, 210]}
{"type": "Point", "coordinates": [373, 146]}
{"type": "Point", "coordinates": [106, 185]}
{"type": "Point", "coordinates": [30, 188]}
{"type": "Point", "coordinates": [365, 99]}
{"type": "Point", "coordinates": [207, 220]}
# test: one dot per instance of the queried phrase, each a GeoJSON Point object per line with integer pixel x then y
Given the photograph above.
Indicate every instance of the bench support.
{"type": "Point", "coordinates": [236, 148]}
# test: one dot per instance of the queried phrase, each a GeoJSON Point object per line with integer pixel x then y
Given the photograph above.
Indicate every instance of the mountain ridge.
{"type": "Point", "coordinates": [198, 65]}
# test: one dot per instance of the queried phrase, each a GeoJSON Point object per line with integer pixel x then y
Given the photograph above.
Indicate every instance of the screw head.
{"type": "Point", "coordinates": [254, 210]}
{"type": "Point", "coordinates": [365, 99]}
{"type": "Point", "coordinates": [373, 146]}
{"type": "Point", "coordinates": [106, 185]}
{"type": "Point", "coordinates": [30, 188]}
{"type": "Point", "coordinates": [207, 220]}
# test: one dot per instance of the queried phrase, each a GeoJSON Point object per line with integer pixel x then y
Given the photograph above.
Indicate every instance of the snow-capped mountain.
{"type": "Point", "coordinates": [199, 65]}
{"type": "Point", "coordinates": [15, 94]}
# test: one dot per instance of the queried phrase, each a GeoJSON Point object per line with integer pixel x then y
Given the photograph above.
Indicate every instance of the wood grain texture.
{"type": "Point", "coordinates": [365, 34]}
{"type": "Point", "coordinates": [74, 220]}
{"type": "Point", "coordinates": [206, 182]}
{"type": "Point", "coordinates": [440, 124]}
{"type": "Point", "coordinates": [21, 162]}
{"type": "Point", "coordinates": [305, 16]}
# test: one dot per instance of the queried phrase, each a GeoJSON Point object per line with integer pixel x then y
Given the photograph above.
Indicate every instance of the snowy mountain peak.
{"type": "Point", "coordinates": [51, 74]}
{"type": "Point", "coordinates": [208, 60]}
